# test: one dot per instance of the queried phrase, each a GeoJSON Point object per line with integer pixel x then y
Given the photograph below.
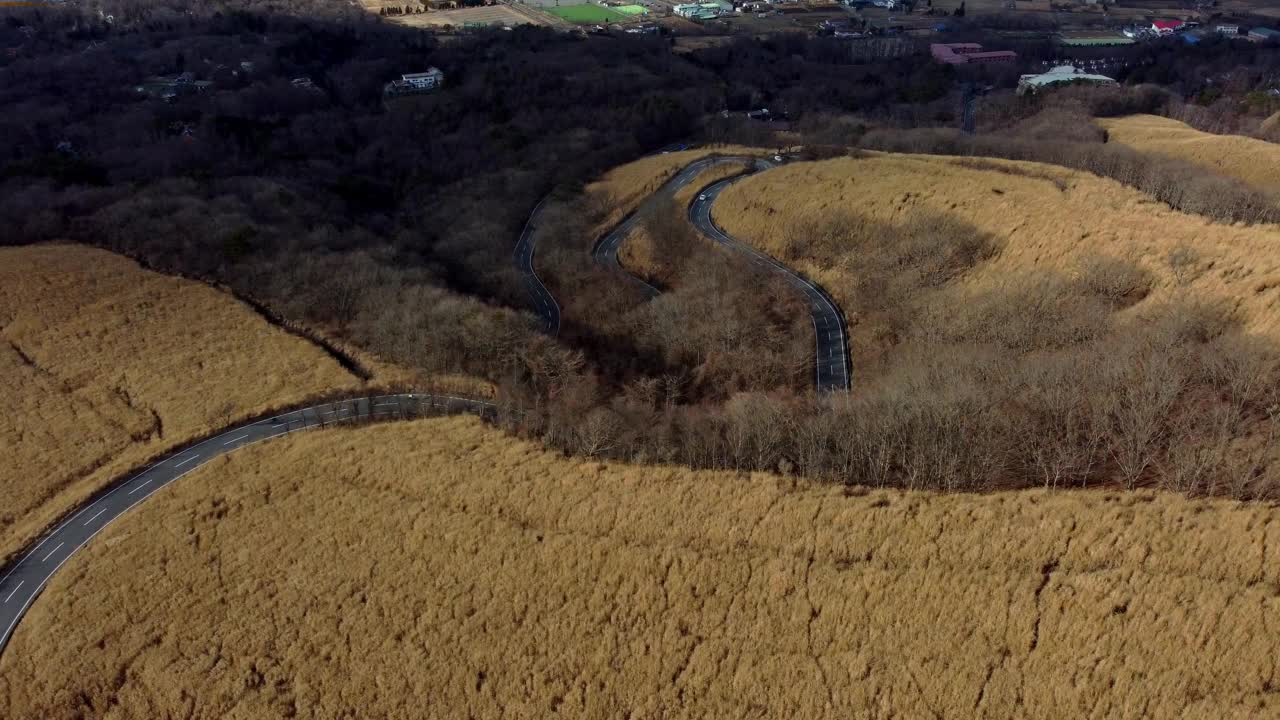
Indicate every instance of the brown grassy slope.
{"type": "Point", "coordinates": [1256, 162]}
{"type": "Point", "coordinates": [643, 256]}
{"type": "Point", "coordinates": [1043, 217]}
{"type": "Point", "coordinates": [439, 569]}
{"type": "Point", "coordinates": [104, 364]}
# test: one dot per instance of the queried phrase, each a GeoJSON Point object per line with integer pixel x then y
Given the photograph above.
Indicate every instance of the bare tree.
{"type": "Point", "coordinates": [598, 432]}
{"type": "Point", "coordinates": [1145, 386]}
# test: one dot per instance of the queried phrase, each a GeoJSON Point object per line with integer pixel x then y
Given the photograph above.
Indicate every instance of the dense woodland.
{"type": "Point", "coordinates": [391, 223]}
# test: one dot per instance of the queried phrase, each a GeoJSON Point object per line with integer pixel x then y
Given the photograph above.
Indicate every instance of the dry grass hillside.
{"type": "Point", "coordinates": [1254, 161]}
{"type": "Point", "coordinates": [105, 364]}
{"type": "Point", "coordinates": [1014, 324]}
{"type": "Point", "coordinates": [441, 569]}
{"type": "Point", "coordinates": [1031, 217]}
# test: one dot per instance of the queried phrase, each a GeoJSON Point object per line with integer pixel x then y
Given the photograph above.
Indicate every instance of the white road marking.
{"type": "Point", "coordinates": [51, 552]}
{"type": "Point", "coordinates": [148, 482]}
{"type": "Point", "coordinates": [236, 439]}
{"type": "Point", "coordinates": [384, 404]}
{"type": "Point", "coordinates": [15, 590]}
{"type": "Point", "coordinates": [95, 516]}
{"type": "Point", "coordinates": [184, 462]}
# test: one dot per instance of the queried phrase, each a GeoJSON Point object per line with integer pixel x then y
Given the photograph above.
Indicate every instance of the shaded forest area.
{"type": "Point", "coordinates": [391, 223]}
{"type": "Point", "coordinates": [281, 172]}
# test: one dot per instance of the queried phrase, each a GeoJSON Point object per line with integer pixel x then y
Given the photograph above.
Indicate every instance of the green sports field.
{"type": "Point", "coordinates": [587, 13]}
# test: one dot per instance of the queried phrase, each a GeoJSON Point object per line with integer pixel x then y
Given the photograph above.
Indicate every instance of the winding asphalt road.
{"type": "Point", "coordinates": [831, 355]}
{"type": "Point", "coordinates": [543, 302]}
{"type": "Point", "coordinates": [22, 581]}
{"type": "Point", "coordinates": [831, 366]}
{"type": "Point", "coordinates": [605, 252]}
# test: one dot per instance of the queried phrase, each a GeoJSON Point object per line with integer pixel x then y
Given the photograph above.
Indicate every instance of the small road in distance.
{"type": "Point", "coordinates": [543, 302]}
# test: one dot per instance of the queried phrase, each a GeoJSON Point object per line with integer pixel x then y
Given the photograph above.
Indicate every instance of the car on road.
{"type": "Point", "coordinates": [777, 158]}
{"type": "Point", "coordinates": [703, 196]}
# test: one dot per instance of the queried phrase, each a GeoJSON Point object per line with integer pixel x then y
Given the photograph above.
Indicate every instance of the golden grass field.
{"type": "Point", "coordinates": [1253, 161]}
{"type": "Point", "coordinates": [640, 255]}
{"type": "Point", "coordinates": [441, 569]}
{"type": "Point", "coordinates": [1041, 217]}
{"type": "Point", "coordinates": [105, 365]}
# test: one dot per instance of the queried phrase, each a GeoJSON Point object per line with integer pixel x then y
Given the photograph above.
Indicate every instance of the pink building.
{"type": "Point", "coordinates": [969, 53]}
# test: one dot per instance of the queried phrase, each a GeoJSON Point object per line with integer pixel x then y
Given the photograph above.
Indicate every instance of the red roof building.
{"type": "Point", "coordinates": [1164, 27]}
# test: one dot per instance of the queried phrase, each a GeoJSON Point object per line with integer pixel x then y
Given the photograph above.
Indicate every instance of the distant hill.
{"type": "Point", "coordinates": [1254, 161]}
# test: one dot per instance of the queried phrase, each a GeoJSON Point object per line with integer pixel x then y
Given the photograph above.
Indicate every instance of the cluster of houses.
{"type": "Point", "coordinates": [1157, 28]}
{"type": "Point", "coordinates": [171, 88]}
{"type": "Point", "coordinates": [707, 10]}
{"type": "Point", "coordinates": [1192, 32]}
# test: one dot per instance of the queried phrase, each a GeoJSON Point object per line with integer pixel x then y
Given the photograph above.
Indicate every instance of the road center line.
{"type": "Point", "coordinates": [15, 591]}
{"type": "Point", "coordinates": [51, 552]}
{"type": "Point", "coordinates": [184, 462]}
{"type": "Point", "coordinates": [148, 482]}
{"type": "Point", "coordinates": [236, 439]}
{"type": "Point", "coordinates": [95, 516]}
